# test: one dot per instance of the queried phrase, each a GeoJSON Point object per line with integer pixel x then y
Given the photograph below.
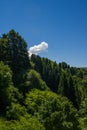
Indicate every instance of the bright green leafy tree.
{"type": "Point", "coordinates": [54, 111]}
{"type": "Point", "coordinates": [32, 79]}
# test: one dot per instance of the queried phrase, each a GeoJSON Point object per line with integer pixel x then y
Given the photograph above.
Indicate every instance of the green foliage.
{"type": "Point", "coordinates": [13, 95]}
{"type": "Point", "coordinates": [57, 77]}
{"type": "Point", "coordinates": [38, 63]}
{"type": "Point", "coordinates": [8, 93]}
{"type": "Point", "coordinates": [83, 114]}
{"type": "Point", "coordinates": [54, 111]}
{"type": "Point", "coordinates": [63, 65]}
{"type": "Point", "coordinates": [14, 111]}
{"type": "Point", "coordinates": [66, 87]}
{"type": "Point", "coordinates": [14, 53]}
{"type": "Point", "coordinates": [83, 110]}
{"type": "Point", "coordinates": [32, 79]}
{"type": "Point", "coordinates": [63, 84]}
{"type": "Point", "coordinates": [48, 70]}
{"type": "Point", "coordinates": [5, 76]}
{"type": "Point", "coordinates": [25, 123]}
{"type": "Point", "coordinates": [36, 80]}
{"type": "Point", "coordinates": [4, 50]}
{"type": "Point", "coordinates": [5, 83]}
{"type": "Point", "coordinates": [19, 51]}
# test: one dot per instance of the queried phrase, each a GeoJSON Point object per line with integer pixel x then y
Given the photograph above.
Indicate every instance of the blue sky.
{"type": "Point", "coordinates": [60, 23]}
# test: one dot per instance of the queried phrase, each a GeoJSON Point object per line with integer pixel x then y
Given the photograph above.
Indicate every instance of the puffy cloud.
{"type": "Point", "coordinates": [36, 49]}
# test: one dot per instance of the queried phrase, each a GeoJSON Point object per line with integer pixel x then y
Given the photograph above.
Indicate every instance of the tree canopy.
{"type": "Point", "coordinates": [37, 93]}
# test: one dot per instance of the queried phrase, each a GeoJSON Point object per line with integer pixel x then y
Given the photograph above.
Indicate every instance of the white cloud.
{"type": "Point", "coordinates": [36, 49]}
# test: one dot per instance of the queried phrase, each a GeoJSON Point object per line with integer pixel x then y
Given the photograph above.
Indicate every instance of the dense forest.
{"type": "Point", "coordinates": [37, 93]}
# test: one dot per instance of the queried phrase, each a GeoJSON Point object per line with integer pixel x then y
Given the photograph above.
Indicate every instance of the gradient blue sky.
{"type": "Point", "coordinates": [61, 23]}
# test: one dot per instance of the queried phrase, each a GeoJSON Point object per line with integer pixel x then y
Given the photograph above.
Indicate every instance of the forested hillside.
{"type": "Point", "coordinates": [37, 93]}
